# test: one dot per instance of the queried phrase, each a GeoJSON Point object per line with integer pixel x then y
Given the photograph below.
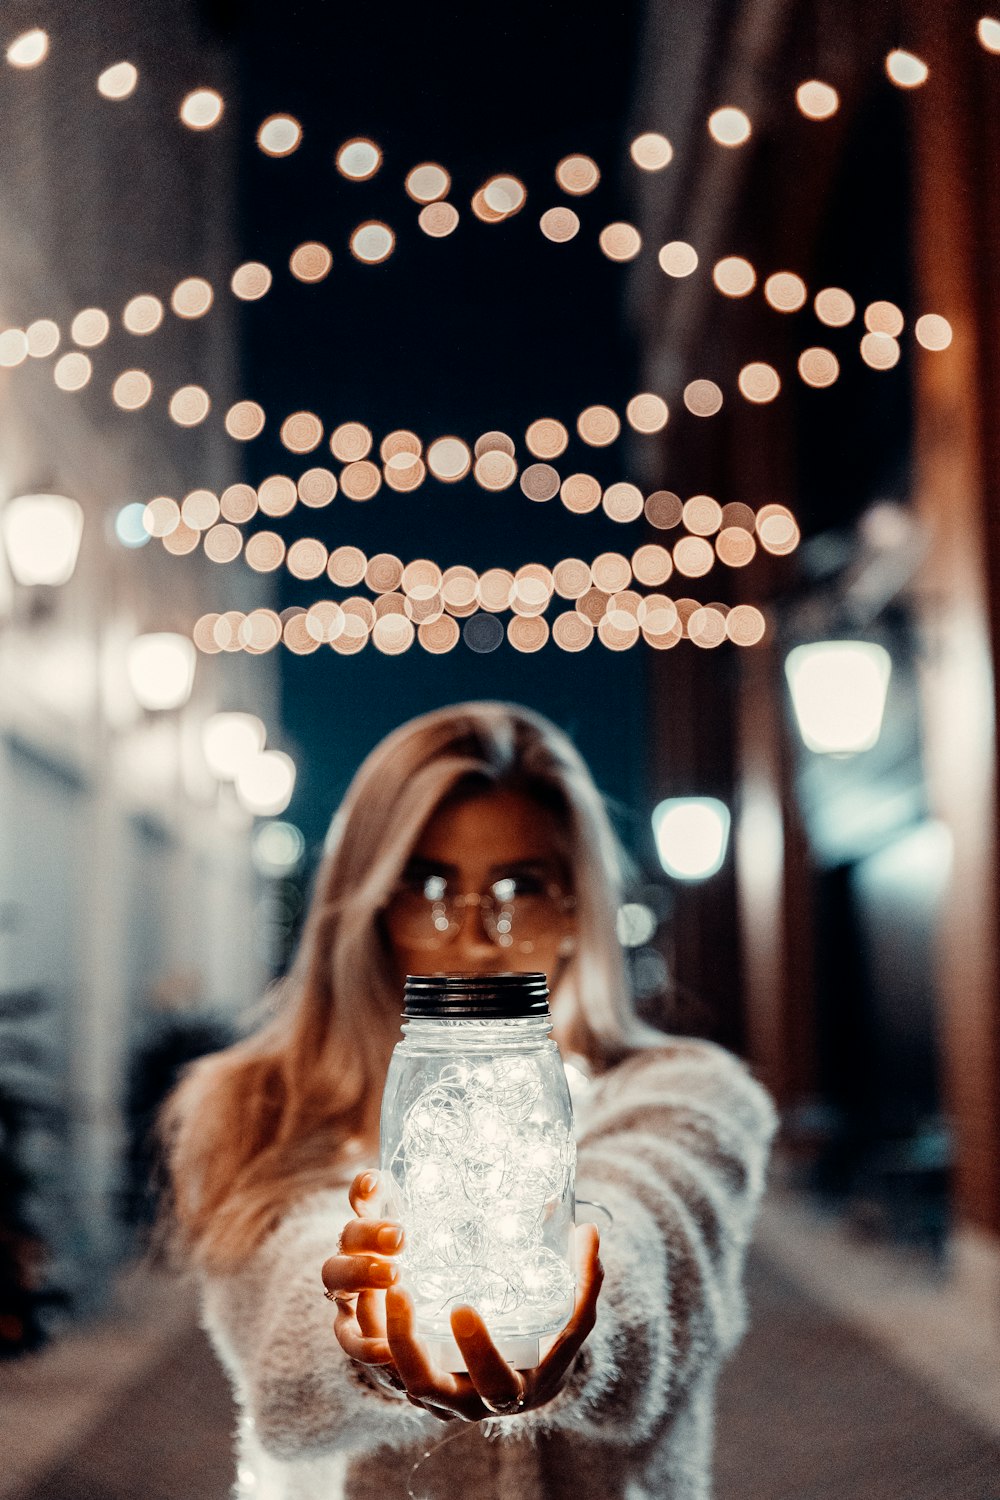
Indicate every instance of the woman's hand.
{"type": "Point", "coordinates": [376, 1326]}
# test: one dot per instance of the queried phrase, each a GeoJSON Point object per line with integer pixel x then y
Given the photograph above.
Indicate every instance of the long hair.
{"type": "Point", "coordinates": [295, 1106]}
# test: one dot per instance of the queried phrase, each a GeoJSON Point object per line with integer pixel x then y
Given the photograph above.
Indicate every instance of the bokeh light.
{"type": "Point", "coordinates": [310, 262]}
{"type": "Point", "coordinates": [279, 135]}
{"type": "Point", "coordinates": [651, 151]}
{"type": "Point", "coordinates": [559, 225]}
{"type": "Point", "coordinates": [734, 276]}
{"type": "Point", "coordinates": [202, 109]}
{"type": "Point", "coordinates": [192, 297]}
{"type": "Point", "coordinates": [817, 100]}
{"type": "Point", "coordinates": [647, 412]}
{"type": "Point", "coordinates": [703, 398]}
{"type": "Point", "coordinates": [28, 49]}
{"type": "Point", "coordinates": [818, 367]}
{"type": "Point", "coordinates": [578, 175]}
{"type": "Point", "coordinates": [933, 331]}
{"type": "Point", "coordinates": [90, 327]}
{"type": "Point", "coordinates": [834, 306]}
{"type": "Point", "coordinates": [620, 241]}
{"type": "Point", "coordinates": [729, 126]}
{"type": "Point", "coordinates": [905, 69]}
{"type": "Point", "coordinates": [598, 426]}
{"type": "Point", "coordinates": [359, 159]}
{"type": "Point", "coordinates": [427, 182]}
{"type": "Point", "coordinates": [118, 81]}
{"type": "Point", "coordinates": [785, 291]}
{"type": "Point", "coordinates": [251, 281]}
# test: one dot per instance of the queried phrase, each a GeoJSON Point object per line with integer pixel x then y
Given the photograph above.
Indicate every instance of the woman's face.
{"type": "Point", "coordinates": [465, 849]}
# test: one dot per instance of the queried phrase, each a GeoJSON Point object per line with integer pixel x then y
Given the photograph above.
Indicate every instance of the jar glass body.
{"type": "Point", "coordinates": [478, 1160]}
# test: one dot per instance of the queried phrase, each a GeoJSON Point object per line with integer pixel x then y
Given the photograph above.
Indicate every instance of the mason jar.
{"type": "Point", "coordinates": [478, 1157]}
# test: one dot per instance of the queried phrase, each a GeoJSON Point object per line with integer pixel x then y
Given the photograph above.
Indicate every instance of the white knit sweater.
{"type": "Point", "coordinates": [675, 1142]}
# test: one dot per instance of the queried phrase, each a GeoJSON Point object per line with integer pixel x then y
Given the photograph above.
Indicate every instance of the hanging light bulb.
{"type": "Point", "coordinates": [838, 692]}
{"type": "Point", "coordinates": [160, 669]}
{"type": "Point", "coordinates": [265, 784]}
{"type": "Point", "coordinates": [691, 836]}
{"type": "Point", "coordinates": [42, 536]}
{"type": "Point", "coordinates": [229, 741]}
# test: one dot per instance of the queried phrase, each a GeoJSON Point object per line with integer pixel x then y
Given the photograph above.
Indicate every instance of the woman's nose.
{"type": "Point", "coordinates": [472, 941]}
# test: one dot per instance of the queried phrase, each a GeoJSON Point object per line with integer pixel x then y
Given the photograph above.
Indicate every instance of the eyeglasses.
{"type": "Point", "coordinates": [518, 911]}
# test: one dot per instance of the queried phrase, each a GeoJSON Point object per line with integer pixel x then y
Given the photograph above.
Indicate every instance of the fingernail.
{"type": "Point", "coordinates": [390, 1237]}
{"type": "Point", "coordinates": [382, 1274]}
{"type": "Point", "coordinates": [464, 1320]}
{"type": "Point", "coordinates": [369, 1182]}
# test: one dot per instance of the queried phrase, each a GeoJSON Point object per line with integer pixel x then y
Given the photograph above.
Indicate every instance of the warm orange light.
{"type": "Point", "coordinates": [264, 551]}
{"type": "Point", "coordinates": [546, 438]}
{"type": "Point", "coordinates": [238, 503]}
{"type": "Point", "coordinates": [203, 634]}
{"type": "Point", "coordinates": [495, 470]}
{"type": "Point", "coordinates": [405, 473]}
{"type": "Point", "coordinates": [816, 100]}
{"type": "Point", "coordinates": [729, 126]}
{"type": "Point", "coordinates": [438, 220]}
{"type": "Point", "coordinates": [623, 502]}
{"type": "Point", "coordinates": [72, 371]}
{"type": "Point", "coordinates": [302, 432]}
{"type": "Point", "coordinates": [693, 556]}
{"type": "Point", "coordinates": [310, 262]}
{"type": "Point", "coordinates": [571, 577]}
{"type": "Point", "coordinates": [703, 398]}
{"type": "Point", "coordinates": [245, 420]}
{"type": "Point", "coordinates": [350, 442]}
{"type": "Point", "coordinates": [884, 317]}
{"type": "Point", "coordinates": [759, 382]}
{"type": "Point", "coordinates": [347, 566]}
{"type": "Point", "coordinates": [527, 634]}
{"type": "Point", "coordinates": [449, 459]}
{"type": "Point", "coordinates": [400, 442]}
{"type": "Point", "coordinates": [818, 366]}
{"type": "Point", "coordinates": [618, 633]}
{"type": "Point", "coordinates": [664, 509]}
{"type": "Point", "coordinates": [706, 627]}
{"type": "Point", "coordinates": [572, 631]}
{"type": "Point", "coordinates": [652, 565]}
{"type": "Point", "coordinates": [745, 625]}
{"type": "Point", "coordinates": [487, 442]}
{"type": "Point", "coordinates": [279, 135]}
{"type": "Point", "coordinates": [189, 405]}
{"type": "Point", "coordinates": [505, 195]}
{"type": "Point", "coordinates": [651, 151]}
{"type": "Point", "coordinates": [577, 175]}
{"type": "Point", "coordinates": [372, 242]}
{"type": "Point", "coordinates": [439, 636]}
{"type": "Point", "coordinates": [735, 547]}
{"type": "Point", "coordinates": [612, 572]}
{"type": "Point", "coordinates": [29, 49]}
{"type": "Point", "coordinates": [143, 314]}
{"type": "Point", "coordinates": [702, 515]}
{"type": "Point", "coordinates": [42, 338]}
{"type": "Point", "coordinates": [740, 515]}
{"type": "Point", "coordinates": [647, 412]}
{"type": "Point", "coordinates": [620, 241]}
{"type": "Point", "coordinates": [306, 558]}
{"type": "Point", "coordinates": [932, 331]}
{"type": "Point", "coordinates": [540, 482]}
{"type": "Point", "coordinates": [359, 159]}
{"type": "Point", "coordinates": [161, 516]}
{"type": "Point", "coordinates": [988, 32]}
{"type": "Point", "coordinates": [580, 493]}
{"type": "Point", "coordinates": [428, 182]}
{"type": "Point", "coordinates": [361, 480]}
{"type": "Point", "coordinates": [421, 579]}
{"type": "Point", "coordinates": [317, 487]}
{"type": "Point", "coordinates": [118, 81]}
{"type": "Point", "coordinates": [200, 509]}
{"type": "Point", "coordinates": [598, 426]}
{"type": "Point", "coordinates": [182, 540]}
{"type": "Point", "coordinates": [734, 276]}
{"type": "Point", "coordinates": [785, 291]}
{"type": "Point", "coordinates": [277, 494]}
{"type": "Point", "coordinates": [223, 543]}
{"type": "Point", "coordinates": [678, 258]}
{"type": "Point", "coordinates": [834, 306]}
{"type": "Point", "coordinates": [880, 351]}
{"type": "Point", "coordinates": [202, 109]}
{"type": "Point", "coordinates": [905, 69]}
{"type": "Point", "coordinates": [132, 390]}
{"type": "Point", "coordinates": [251, 281]}
{"type": "Point", "coordinates": [559, 225]}
{"type": "Point", "coordinates": [192, 297]}
{"type": "Point", "coordinates": [496, 590]}
{"type": "Point", "coordinates": [90, 327]}
{"type": "Point", "coordinates": [460, 589]}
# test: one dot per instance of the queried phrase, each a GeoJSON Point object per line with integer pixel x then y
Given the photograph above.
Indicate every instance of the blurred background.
{"type": "Point", "coordinates": [665, 338]}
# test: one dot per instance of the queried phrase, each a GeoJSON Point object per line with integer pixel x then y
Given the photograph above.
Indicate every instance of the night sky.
{"type": "Point", "coordinates": [490, 328]}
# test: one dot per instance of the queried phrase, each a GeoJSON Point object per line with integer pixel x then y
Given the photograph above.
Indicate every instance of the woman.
{"type": "Point", "coordinates": [471, 840]}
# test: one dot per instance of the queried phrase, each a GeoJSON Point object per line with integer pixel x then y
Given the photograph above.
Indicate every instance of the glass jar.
{"type": "Point", "coordinates": [478, 1157]}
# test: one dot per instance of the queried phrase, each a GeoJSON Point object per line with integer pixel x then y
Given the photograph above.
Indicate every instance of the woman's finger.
{"type": "Point", "coordinates": [358, 1273]}
{"type": "Point", "coordinates": [370, 1313]}
{"type": "Point", "coordinates": [497, 1382]}
{"type": "Point", "coordinates": [368, 1351]}
{"type": "Point", "coordinates": [559, 1358]}
{"type": "Point", "coordinates": [363, 1195]}
{"type": "Point", "coordinates": [372, 1236]}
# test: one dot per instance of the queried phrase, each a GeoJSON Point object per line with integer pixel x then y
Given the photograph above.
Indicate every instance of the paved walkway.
{"type": "Point", "coordinates": [821, 1402]}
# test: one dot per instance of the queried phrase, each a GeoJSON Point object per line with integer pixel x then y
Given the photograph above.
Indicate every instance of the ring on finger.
{"type": "Point", "coordinates": [505, 1408]}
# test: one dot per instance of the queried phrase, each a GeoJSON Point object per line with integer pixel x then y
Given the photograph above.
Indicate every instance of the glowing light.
{"type": "Point", "coordinates": [735, 547]}
{"type": "Point", "coordinates": [238, 503]}
{"type": "Point", "coordinates": [405, 472]}
{"type": "Point", "coordinates": [118, 81]}
{"type": "Point", "coordinates": [880, 351]}
{"type": "Point", "coordinates": [739, 515]}
{"type": "Point", "coordinates": [449, 459]}
{"type": "Point", "coordinates": [260, 631]}
{"type": "Point", "coordinates": [546, 438]}
{"type": "Point", "coordinates": [759, 382]}
{"type": "Point", "coordinates": [647, 412]}
{"type": "Point", "coordinates": [160, 670]}
{"type": "Point", "coordinates": [72, 372]}
{"type": "Point", "coordinates": [598, 426]}
{"type": "Point", "coordinates": [189, 405]}
{"type": "Point", "coordinates": [200, 509]}
{"type": "Point", "coordinates": [734, 276]}
{"type": "Point", "coordinates": [302, 432]}
{"type": "Point", "coordinates": [559, 225]}
{"type": "Point", "coordinates": [483, 211]}
{"type": "Point", "coordinates": [427, 182]}
{"type": "Point", "coordinates": [905, 69]}
{"type": "Point", "coordinates": [276, 495]}
{"type": "Point", "coordinates": [884, 317]}
{"type": "Point", "coordinates": [691, 834]}
{"type": "Point", "coordinates": [729, 126]}
{"type": "Point", "coordinates": [161, 516]}
{"type": "Point", "coordinates": [612, 572]}
{"type": "Point", "coordinates": [664, 509]}
{"type": "Point", "coordinates": [229, 741]}
{"type": "Point", "coordinates": [838, 691]}
{"type": "Point", "coordinates": [678, 258]}
{"type": "Point", "coordinates": [818, 366]}
{"type": "Point", "coordinates": [703, 398]}
{"type": "Point", "coordinates": [130, 528]}
{"type": "Point", "coordinates": [42, 338]}
{"type": "Point", "coordinates": [527, 633]}
{"type": "Point", "coordinates": [439, 636]}
{"type": "Point", "coordinates": [346, 566]}
{"type": "Point", "coordinates": [359, 159]}
{"type": "Point", "coordinates": [651, 151]}
{"type": "Point", "coordinates": [251, 281]}
{"type": "Point", "coordinates": [192, 297]}
{"type": "Point", "coordinates": [317, 487]}
{"type": "Point", "coordinates": [393, 634]}
{"type": "Point", "coordinates": [651, 565]}
{"type": "Point", "coordinates": [706, 627]}
{"type": "Point", "coordinates": [505, 195]}
{"type": "Point", "coordinates": [693, 556]}
{"type": "Point", "coordinates": [580, 493]}
{"type": "Point", "coordinates": [306, 558]}
{"type": "Point", "coordinates": [495, 470]}
{"type": "Point", "coordinates": [785, 291]}
{"type": "Point", "coordinates": [571, 577]}
{"type": "Point", "coordinates": [620, 241]}
{"type": "Point", "coordinates": [29, 49]}
{"type": "Point", "coordinates": [777, 529]}
{"type": "Point", "coordinates": [496, 590]}
{"type": "Point", "coordinates": [572, 631]}
{"type": "Point", "coordinates": [223, 543]}
{"type": "Point", "coordinates": [702, 515]}
{"type": "Point", "coordinates": [13, 347]}
{"type": "Point", "coordinates": [277, 849]}
{"type": "Point", "coordinates": [264, 551]}
{"type": "Point", "coordinates": [489, 442]}
{"type": "Point", "coordinates": [745, 625]}
{"type": "Point", "coordinates": [360, 481]}
{"type": "Point", "coordinates": [623, 502]}
{"type": "Point", "coordinates": [372, 242]}
{"type": "Point", "coordinates": [577, 175]}
{"type": "Point", "coordinates": [350, 442]}
{"type": "Point", "coordinates": [540, 482]}
{"type": "Point", "coordinates": [324, 621]}
{"type": "Point", "coordinates": [90, 327]}
{"type": "Point", "coordinates": [202, 109]}
{"type": "Point", "coordinates": [132, 390]}
{"type": "Point", "coordinates": [834, 306]}
{"type": "Point", "coordinates": [265, 784]}
{"type": "Point", "coordinates": [816, 100]}
{"type": "Point", "coordinates": [245, 420]}
{"type": "Point", "coordinates": [310, 262]}
{"type": "Point", "coordinates": [438, 220]}
{"type": "Point", "coordinates": [635, 924]}
{"type": "Point", "coordinates": [296, 635]}
{"type": "Point", "coordinates": [932, 331]}
{"type": "Point", "coordinates": [618, 632]}
{"type": "Point", "coordinates": [279, 135]}
{"type": "Point", "coordinates": [143, 314]}
{"type": "Point", "coordinates": [988, 32]}
{"type": "Point", "coordinates": [41, 535]}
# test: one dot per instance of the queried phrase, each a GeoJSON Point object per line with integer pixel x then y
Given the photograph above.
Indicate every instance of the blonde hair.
{"type": "Point", "coordinates": [294, 1107]}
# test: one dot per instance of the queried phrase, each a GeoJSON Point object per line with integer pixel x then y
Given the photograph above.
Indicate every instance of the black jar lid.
{"type": "Point", "coordinates": [484, 997]}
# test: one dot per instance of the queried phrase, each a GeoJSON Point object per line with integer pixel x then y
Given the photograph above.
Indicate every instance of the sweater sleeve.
{"type": "Point", "coordinates": [273, 1331]}
{"type": "Point", "coordinates": [676, 1145]}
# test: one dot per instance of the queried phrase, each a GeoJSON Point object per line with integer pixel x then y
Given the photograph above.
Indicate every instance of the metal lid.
{"type": "Point", "coordinates": [475, 996]}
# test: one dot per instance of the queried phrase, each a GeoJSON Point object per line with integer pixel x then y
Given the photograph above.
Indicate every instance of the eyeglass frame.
{"type": "Point", "coordinates": [485, 901]}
